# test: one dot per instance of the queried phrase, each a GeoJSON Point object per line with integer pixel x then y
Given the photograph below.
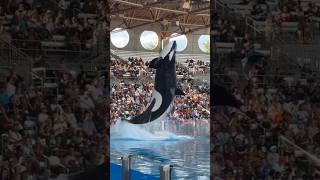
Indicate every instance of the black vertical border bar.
{"type": "Point", "coordinates": [212, 59]}
{"type": "Point", "coordinates": [102, 172]}
{"type": "Point", "coordinates": [107, 87]}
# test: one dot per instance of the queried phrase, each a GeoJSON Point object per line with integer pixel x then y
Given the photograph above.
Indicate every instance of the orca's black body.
{"type": "Point", "coordinates": [164, 87]}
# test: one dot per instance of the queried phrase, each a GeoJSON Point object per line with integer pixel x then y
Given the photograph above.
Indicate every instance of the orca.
{"type": "Point", "coordinates": [165, 83]}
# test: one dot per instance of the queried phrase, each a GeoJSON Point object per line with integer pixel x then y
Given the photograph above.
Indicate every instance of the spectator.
{"type": "Point", "coordinates": [35, 129]}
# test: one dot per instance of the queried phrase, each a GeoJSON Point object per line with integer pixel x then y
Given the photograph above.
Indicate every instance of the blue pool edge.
{"type": "Point", "coordinates": [116, 174]}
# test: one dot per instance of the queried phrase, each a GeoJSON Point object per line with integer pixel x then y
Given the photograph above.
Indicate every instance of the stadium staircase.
{"type": "Point", "coordinates": [115, 56]}
{"type": "Point", "coordinates": [44, 76]}
{"type": "Point", "coordinates": [288, 52]}
{"type": "Point", "coordinates": [11, 57]}
{"type": "Point", "coordinates": [283, 55]}
{"type": "Point", "coordinates": [46, 80]}
{"type": "Point", "coordinates": [302, 54]}
{"type": "Point", "coordinates": [52, 4]}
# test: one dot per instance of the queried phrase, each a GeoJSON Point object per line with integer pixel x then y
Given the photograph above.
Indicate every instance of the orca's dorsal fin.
{"type": "Point", "coordinates": [179, 92]}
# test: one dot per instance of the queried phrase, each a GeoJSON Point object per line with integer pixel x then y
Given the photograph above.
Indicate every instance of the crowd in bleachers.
{"type": "Point", "coordinates": [137, 68]}
{"type": "Point", "coordinates": [197, 67]}
{"type": "Point", "coordinates": [44, 136]}
{"type": "Point", "coordinates": [246, 144]}
{"type": "Point", "coordinates": [278, 113]}
{"type": "Point", "coordinates": [32, 25]}
{"type": "Point", "coordinates": [130, 98]}
{"type": "Point", "coordinates": [287, 10]}
{"type": "Point", "coordinates": [224, 30]}
{"type": "Point", "coordinates": [283, 16]}
{"type": "Point", "coordinates": [134, 67]}
{"type": "Point", "coordinates": [228, 36]}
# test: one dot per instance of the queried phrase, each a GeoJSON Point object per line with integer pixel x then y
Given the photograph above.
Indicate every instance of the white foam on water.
{"type": "Point", "coordinates": [123, 130]}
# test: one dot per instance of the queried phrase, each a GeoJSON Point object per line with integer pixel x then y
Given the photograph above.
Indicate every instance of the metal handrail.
{"type": "Point", "coordinates": [4, 137]}
{"type": "Point", "coordinates": [45, 40]}
{"type": "Point", "coordinates": [46, 48]}
{"type": "Point", "coordinates": [67, 171]}
{"type": "Point", "coordinates": [249, 19]}
{"type": "Point", "coordinates": [56, 3]}
{"type": "Point", "coordinates": [166, 172]}
{"type": "Point", "coordinates": [310, 156]}
{"type": "Point", "coordinates": [54, 50]}
{"type": "Point", "coordinates": [17, 58]}
{"type": "Point", "coordinates": [17, 51]}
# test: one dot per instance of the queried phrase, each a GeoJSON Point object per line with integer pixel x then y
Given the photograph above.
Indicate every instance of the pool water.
{"type": "Point", "coordinates": [189, 155]}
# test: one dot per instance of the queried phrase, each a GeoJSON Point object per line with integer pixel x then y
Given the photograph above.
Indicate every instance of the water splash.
{"type": "Point", "coordinates": [153, 131]}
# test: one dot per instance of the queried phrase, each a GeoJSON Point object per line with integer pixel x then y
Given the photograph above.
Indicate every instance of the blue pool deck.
{"type": "Point", "coordinates": [116, 174]}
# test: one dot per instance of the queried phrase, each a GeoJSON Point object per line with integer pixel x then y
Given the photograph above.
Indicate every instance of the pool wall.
{"type": "Point", "coordinates": [116, 174]}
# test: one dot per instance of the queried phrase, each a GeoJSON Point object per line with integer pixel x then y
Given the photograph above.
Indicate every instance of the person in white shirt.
{"type": "Point", "coordinates": [14, 136]}
{"type": "Point", "coordinates": [88, 125]}
{"type": "Point", "coordinates": [43, 116]}
{"type": "Point", "coordinates": [95, 91]}
{"type": "Point", "coordinates": [274, 159]}
{"type": "Point", "coordinates": [63, 4]}
{"type": "Point", "coordinates": [86, 102]}
{"type": "Point", "coordinates": [11, 88]}
{"type": "Point", "coordinates": [59, 125]}
{"type": "Point", "coordinates": [70, 118]}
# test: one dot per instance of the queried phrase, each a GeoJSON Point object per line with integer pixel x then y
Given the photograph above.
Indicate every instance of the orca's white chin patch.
{"type": "Point", "coordinates": [158, 97]}
{"type": "Point", "coordinates": [166, 50]}
{"type": "Point", "coordinates": [171, 55]}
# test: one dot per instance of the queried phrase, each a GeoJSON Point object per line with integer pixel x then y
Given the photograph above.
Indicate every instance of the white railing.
{"type": "Point", "coordinates": [66, 170]}
{"type": "Point", "coordinates": [4, 140]}
{"type": "Point", "coordinates": [253, 24]}
{"type": "Point", "coordinates": [314, 159]}
{"type": "Point", "coordinates": [13, 57]}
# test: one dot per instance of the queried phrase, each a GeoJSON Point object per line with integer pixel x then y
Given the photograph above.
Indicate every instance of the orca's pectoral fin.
{"type": "Point", "coordinates": [179, 92]}
{"type": "Point", "coordinates": [155, 63]}
{"type": "Point", "coordinates": [145, 117]}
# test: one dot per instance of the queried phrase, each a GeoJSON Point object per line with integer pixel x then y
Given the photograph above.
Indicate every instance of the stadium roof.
{"type": "Point", "coordinates": [187, 17]}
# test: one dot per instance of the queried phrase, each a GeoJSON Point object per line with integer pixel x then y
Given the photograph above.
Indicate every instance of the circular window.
{"type": "Point", "coordinates": [119, 37]}
{"type": "Point", "coordinates": [204, 43]}
{"type": "Point", "coordinates": [181, 40]}
{"type": "Point", "coordinates": [149, 40]}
